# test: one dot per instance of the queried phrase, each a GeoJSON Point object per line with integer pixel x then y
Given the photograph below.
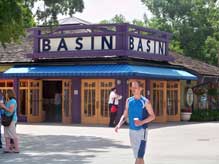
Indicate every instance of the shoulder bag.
{"type": "Point", "coordinates": [6, 120]}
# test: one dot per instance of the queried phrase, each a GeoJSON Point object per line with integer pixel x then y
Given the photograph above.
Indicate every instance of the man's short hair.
{"type": "Point", "coordinates": [113, 88]}
{"type": "Point", "coordinates": [139, 83]}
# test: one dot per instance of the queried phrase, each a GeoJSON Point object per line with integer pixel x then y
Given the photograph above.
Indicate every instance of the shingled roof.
{"type": "Point", "coordinates": [72, 20]}
{"type": "Point", "coordinates": [16, 52]}
{"type": "Point", "coordinates": [200, 67]}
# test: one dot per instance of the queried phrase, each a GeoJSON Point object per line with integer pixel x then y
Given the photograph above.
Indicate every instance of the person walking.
{"type": "Point", "coordinates": [58, 107]}
{"type": "Point", "coordinates": [113, 106]}
{"type": "Point", "coordinates": [10, 131]}
{"type": "Point", "coordinates": [1, 102]}
{"type": "Point", "coordinates": [139, 111]}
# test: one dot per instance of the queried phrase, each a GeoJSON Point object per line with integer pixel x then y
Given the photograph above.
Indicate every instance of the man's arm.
{"type": "Point", "coordinates": [123, 117]}
{"type": "Point", "coordinates": [150, 118]}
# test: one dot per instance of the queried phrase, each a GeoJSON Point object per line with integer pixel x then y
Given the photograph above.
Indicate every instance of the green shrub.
{"type": "Point", "coordinates": [205, 115]}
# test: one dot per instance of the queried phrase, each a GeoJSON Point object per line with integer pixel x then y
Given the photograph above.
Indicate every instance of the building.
{"type": "Point", "coordinates": [82, 62]}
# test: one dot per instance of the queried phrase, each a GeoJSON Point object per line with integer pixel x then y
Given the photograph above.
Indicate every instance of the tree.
{"type": "Point", "coordinates": [121, 19]}
{"type": "Point", "coordinates": [194, 25]}
{"type": "Point", "coordinates": [116, 19]}
{"type": "Point", "coordinates": [16, 15]}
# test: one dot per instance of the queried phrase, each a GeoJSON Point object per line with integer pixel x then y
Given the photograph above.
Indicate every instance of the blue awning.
{"type": "Point", "coordinates": [103, 70]}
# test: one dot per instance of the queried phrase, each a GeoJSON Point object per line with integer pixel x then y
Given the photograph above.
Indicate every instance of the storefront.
{"type": "Point", "coordinates": [81, 63]}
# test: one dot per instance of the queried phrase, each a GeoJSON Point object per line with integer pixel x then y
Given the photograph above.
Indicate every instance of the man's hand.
{"type": "Point", "coordinates": [138, 123]}
{"type": "Point", "coordinates": [116, 128]}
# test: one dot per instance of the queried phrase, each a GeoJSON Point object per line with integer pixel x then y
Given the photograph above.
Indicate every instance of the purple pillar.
{"type": "Point", "coordinates": [122, 38]}
{"type": "Point", "coordinates": [16, 89]}
{"type": "Point", "coordinates": [148, 91]}
{"type": "Point", "coordinates": [76, 100]}
{"type": "Point", "coordinates": [122, 89]}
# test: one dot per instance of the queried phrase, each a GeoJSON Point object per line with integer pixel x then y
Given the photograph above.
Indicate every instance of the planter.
{"type": "Point", "coordinates": [185, 116]}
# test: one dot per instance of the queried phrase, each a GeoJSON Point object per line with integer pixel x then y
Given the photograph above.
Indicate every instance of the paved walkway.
{"type": "Point", "coordinates": [172, 143]}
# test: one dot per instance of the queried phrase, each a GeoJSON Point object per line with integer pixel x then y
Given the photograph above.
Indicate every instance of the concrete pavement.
{"type": "Point", "coordinates": [171, 143]}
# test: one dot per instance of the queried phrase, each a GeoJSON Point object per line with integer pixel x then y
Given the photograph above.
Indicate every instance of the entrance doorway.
{"type": "Point", "coordinates": [95, 94]}
{"type": "Point", "coordinates": [52, 100]}
{"type": "Point", "coordinates": [165, 98]}
{"type": "Point", "coordinates": [30, 101]}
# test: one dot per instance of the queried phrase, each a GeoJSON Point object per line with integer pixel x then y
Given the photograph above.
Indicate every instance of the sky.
{"type": "Point", "coordinates": [97, 10]}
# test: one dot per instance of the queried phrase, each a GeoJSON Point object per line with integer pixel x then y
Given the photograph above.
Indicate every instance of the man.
{"type": "Point", "coordinates": [58, 104]}
{"type": "Point", "coordinates": [139, 111]}
{"type": "Point", "coordinates": [113, 106]}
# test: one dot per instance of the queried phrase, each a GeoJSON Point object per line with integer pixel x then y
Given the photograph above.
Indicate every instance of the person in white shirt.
{"type": "Point", "coordinates": [113, 106]}
{"type": "Point", "coordinates": [58, 104]}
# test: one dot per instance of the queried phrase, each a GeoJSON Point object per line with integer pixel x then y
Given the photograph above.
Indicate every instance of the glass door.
{"type": "Point", "coordinates": [90, 101]}
{"type": "Point", "coordinates": [95, 95]}
{"type": "Point", "coordinates": [66, 102]}
{"type": "Point", "coordinates": [158, 100]}
{"type": "Point", "coordinates": [35, 113]}
{"type": "Point", "coordinates": [173, 100]}
{"type": "Point", "coordinates": [105, 87]}
{"type": "Point", "coordinates": [4, 86]}
{"type": "Point", "coordinates": [23, 103]}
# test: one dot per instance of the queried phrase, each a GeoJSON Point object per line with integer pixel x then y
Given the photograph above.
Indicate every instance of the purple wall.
{"type": "Point", "coordinates": [122, 89]}
{"type": "Point", "coordinates": [76, 101]}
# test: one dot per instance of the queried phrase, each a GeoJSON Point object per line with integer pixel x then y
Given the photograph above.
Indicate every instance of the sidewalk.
{"type": "Point", "coordinates": [172, 143]}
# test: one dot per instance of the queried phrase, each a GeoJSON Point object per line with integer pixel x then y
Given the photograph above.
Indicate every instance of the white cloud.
{"type": "Point", "coordinates": [97, 10]}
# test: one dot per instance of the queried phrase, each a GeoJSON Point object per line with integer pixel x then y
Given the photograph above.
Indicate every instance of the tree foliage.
{"type": "Point", "coordinates": [121, 19]}
{"type": "Point", "coordinates": [116, 19]}
{"type": "Point", "coordinates": [16, 15]}
{"type": "Point", "coordinates": [193, 23]}
{"type": "Point", "coordinates": [48, 11]}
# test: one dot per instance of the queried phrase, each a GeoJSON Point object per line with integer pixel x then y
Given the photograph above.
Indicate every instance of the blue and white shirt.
{"type": "Point", "coordinates": [136, 109]}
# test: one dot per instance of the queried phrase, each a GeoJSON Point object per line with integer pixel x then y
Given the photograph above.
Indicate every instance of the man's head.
{"type": "Point", "coordinates": [113, 89]}
{"type": "Point", "coordinates": [136, 88]}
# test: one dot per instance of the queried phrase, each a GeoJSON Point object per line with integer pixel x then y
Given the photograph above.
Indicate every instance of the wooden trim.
{"type": "Point", "coordinates": [67, 119]}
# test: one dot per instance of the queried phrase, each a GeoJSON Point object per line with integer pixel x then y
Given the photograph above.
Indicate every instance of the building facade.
{"type": "Point", "coordinates": [82, 63]}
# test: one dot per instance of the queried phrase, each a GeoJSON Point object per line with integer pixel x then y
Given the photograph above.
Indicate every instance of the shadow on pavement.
{"type": "Point", "coordinates": [56, 149]}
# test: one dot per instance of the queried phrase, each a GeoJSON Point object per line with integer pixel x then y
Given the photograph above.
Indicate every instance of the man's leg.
{"type": "Point", "coordinates": [111, 120]}
{"type": "Point", "coordinates": [0, 137]}
{"type": "Point", "coordinates": [57, 113]}
{"type": "Point", "coordinates": [60, 113]}
{"type": "Point", "coordinates": [114, 118]}
{"type": "Point", "coordinates": [111, 116]}
{"type": "Point", "coordinates": [138, 141]}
